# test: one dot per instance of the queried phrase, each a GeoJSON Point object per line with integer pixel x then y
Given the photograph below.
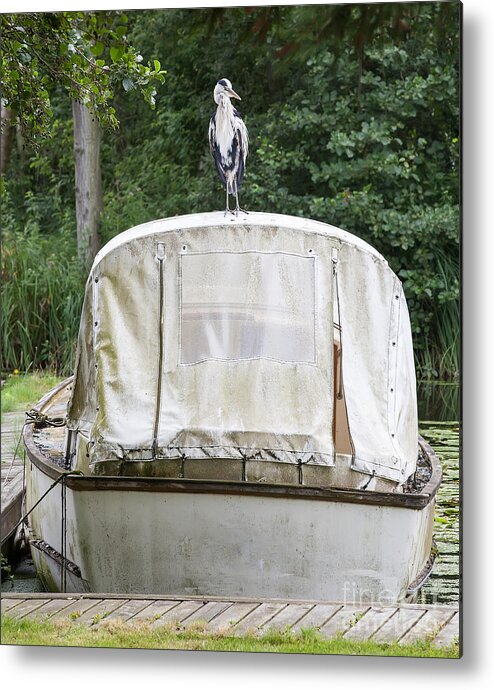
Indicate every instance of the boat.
{"type": "Point", "coordinates": [241, 421]}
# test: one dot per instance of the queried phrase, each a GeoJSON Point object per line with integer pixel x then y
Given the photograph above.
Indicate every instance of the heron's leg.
{"type": "Point", "coordinates": [227, 209]}
{"type": "Point", "coordinates": [237, 207]}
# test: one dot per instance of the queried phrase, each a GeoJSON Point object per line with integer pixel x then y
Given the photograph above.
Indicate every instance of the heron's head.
{"type": "Point", "coordinates": [224, 89]}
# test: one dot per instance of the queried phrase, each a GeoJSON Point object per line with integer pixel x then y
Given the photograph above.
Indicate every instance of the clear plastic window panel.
{"type": "Point", "coordinates": [247, 305]}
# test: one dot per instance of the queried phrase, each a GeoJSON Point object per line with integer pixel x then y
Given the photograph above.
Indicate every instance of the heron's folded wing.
{"type": "Point", "coordinates": [215, 153]}
{"type": "Point", "coordinates": [242, 134]}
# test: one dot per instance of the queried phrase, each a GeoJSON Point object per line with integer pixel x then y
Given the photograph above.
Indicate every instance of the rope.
{"type": "Point", "coordinates": [62, 478]}
{"type": "Point", "coordinates": [59, 479]}
{"type": "Point", "coordinates": [369, 480]}
{"type": "Point", "coordinates": [23, 531]}
{"type": "Point", "coordinates": [14, 456]}
{"type": "Point", "coordinates": [39, 421]}
{"type": "Point", "coordinates": [63, 541]}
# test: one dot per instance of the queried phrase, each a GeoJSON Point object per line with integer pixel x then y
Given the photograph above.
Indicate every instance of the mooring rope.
{"type": "Point", "coordinates": [63, 541]}
{"type": "Point", "coordinates": [52, 486]}
{"type": "Point", "coordinates": [62, 478]}
{"type": "Point", "coordinates": [39, 421]}
{"type": "Point", "coordinates": [14, 456]}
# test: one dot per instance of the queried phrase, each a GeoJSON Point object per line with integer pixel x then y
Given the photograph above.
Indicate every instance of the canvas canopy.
{"type": "Point", "coordinates": [206, 336]}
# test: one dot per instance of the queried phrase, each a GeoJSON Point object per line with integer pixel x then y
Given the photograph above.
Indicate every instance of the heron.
{"type": "Point", "coordinates": [228, 141]}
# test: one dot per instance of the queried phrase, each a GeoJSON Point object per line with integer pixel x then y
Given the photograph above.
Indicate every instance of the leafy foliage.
{"type": "Point", "coordinates": [385, 167]}
{"type": "Point", "coordinates": [86, 53]}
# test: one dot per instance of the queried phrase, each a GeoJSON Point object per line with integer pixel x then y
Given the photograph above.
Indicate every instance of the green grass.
{"type": "Point", "coordinates": [141, 635]}
{"type": "Point", "coordinates": [21, 391]}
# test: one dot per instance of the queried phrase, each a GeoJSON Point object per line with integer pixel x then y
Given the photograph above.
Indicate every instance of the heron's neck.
{"type": "Point", "coordinates": [225, 108]}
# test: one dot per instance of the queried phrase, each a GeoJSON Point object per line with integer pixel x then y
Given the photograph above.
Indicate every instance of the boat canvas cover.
{"type": "Point", "coordinates": [203, 337]}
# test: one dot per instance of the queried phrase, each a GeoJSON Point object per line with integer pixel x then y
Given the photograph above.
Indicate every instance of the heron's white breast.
{"type": "Point", "coordinates": [225, 128]}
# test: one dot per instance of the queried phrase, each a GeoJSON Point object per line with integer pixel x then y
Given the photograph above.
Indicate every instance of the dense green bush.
{"type": "Point", "coordinates": [368, 144]}
{"type": "Point", "coordinates": [383, 166]}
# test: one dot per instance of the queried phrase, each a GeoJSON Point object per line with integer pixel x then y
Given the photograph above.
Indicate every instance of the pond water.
{"type": "Point", "coordinates": [438, 411]}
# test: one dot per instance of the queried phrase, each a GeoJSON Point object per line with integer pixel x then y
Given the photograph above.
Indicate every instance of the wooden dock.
{"type": "Point", "coordinates": [404, 624]}
{"type": "Point", "coordinates": [12, 471]}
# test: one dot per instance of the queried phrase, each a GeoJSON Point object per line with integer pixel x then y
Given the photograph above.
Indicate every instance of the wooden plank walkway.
{"type": "Point", "coordinates": [12, 470]}
{"type": "Point", "coordinates": [404, 624]}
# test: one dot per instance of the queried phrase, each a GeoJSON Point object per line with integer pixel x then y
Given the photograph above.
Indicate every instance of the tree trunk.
{"type": "Point", "coordinates": [21, 151]}
{"type": "Point", "coordinates": [88, 193]}
{"type": "Point", "coordinates": [6, 137]}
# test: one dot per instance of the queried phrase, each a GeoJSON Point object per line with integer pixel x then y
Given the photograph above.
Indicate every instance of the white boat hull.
{"type": "Point", "coordinates": [203, 540]}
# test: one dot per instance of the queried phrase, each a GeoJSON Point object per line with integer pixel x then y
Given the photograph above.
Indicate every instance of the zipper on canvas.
{"type": "Point", "coordinates": [160, 257]}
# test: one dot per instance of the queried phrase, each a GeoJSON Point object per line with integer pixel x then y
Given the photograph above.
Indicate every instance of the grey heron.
{"type": "Point", "coordinates": [228, 141]}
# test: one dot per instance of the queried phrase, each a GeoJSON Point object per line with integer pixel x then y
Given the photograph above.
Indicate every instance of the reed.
{"type": "Point", "coordinates": [42, 293]}
{"type": "Point", "coordinates": [448, 316]}
{"type": "Point", "coordinates": [438, 352]}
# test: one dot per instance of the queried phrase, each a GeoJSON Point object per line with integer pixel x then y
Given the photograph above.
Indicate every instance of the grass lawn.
{"type": "Point", "coordinates": [22, 391]}
{"type": "Point", "coordinates": [141, 635]}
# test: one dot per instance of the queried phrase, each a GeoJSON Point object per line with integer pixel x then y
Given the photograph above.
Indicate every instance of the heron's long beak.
{"type": "Point", "coordinates": [232, 94]}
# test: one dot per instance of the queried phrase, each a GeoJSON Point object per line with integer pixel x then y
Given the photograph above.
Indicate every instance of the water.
{"type": "Point", "coordinates": [24, 578]}
{"type": "Point", "coordinates": [443, 584]}
{"type": "Point", "coordinates": [439, 403]}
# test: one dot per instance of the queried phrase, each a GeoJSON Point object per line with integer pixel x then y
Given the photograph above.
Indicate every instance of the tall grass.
{"type": "Point", "coordinates": [448, 317]}
{"type": "Point", "coordinates": [42, 293]}
{"type": "Point", "coordinates": [438, 355]}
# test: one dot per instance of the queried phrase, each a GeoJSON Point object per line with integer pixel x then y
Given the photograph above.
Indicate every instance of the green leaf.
{"type": "Point", "coordinates": [157, 65]}
{"type": "Point", "coordinates": [128, 84]}
{"type": "Point", "coordinates": [116, 53]}
{"type": "Point", "coordinates": [97, 48]}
